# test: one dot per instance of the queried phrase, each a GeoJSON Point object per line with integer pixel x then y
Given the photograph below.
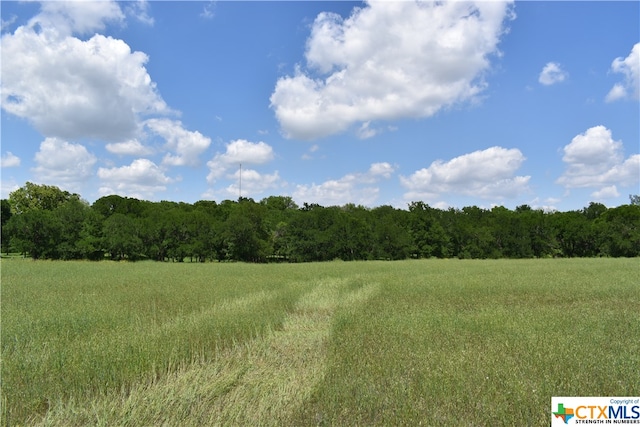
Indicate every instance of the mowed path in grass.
{"type": "Point", "coordinates": [437, 342]}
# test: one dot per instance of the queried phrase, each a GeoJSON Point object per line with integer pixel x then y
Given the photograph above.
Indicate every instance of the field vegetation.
{"type": "Point", "coordinates": [45, 222]}
{"type": "Point", "coordinates": [431, 342]}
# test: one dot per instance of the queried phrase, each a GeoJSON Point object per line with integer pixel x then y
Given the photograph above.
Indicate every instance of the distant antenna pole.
{"type": "Point", "coordinates": [240, 186]}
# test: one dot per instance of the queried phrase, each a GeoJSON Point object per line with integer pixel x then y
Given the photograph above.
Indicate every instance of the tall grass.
{"type": "Point", "coordinates": [439, 342]}
{"type": "Point", "coordinates": [483, 343]}
{"type": "Point", "coordinates": [72, 329]}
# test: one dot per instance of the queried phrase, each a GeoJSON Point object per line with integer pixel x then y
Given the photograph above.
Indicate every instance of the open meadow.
{"type": "Point", "coordinates": [431, 342]}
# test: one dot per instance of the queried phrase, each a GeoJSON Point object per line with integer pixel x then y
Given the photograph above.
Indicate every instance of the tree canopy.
{"type": "Point", "coordinates": [45, 222]}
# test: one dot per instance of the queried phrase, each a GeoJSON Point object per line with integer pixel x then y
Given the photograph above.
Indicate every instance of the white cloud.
{"type": "Point", "coordinates": [7, 186]}
{"type": "Point", "coordinates": [208, 12]}
{"type": "Point", "coordinates": [552, 73]}
{"type": "Point", "coordinates": [312, 149]}
{"type": "Point", "coordinates": [70, 88]}
{"type": "Point", "coordinates": [630, 68]}
{"type": "Point", "coordinates": [139, 9]}
{"type": "Point", "coordinates": [606, 193]}
{"type": "Point", "coordinates": [187, 145]}
{"type": "Point", "coordinates": [594, 159]}
{"type": "Point", "coordinates": [62, 163]}
{"type": "Point", "coordinates": [383, 169]}
{"type": "Point", "coordinates": [237, 152]}
{"type": "Point", "coordinates": [243, 151]}
{"type": "Point", "coordinates": [253, 183]}
{"type": "Point", "coordinates": [547, 205]}
{"type": "Point", "coordinates": [141, 179]}
{"type": "Point", "coordinates": [133, 147]}
{"type": "Point", "coordinates": [336, 193]}
{"type": "Point", "coordinates": [388, 60]}
{"type": "Point", "coordinates": [81, 17]}
{"type": "Point", "coordinates": [9, 160]}
{"type": "Point", "coordinates": [352, 188]}
{"type": "Point", "coordinates": [6, 24]}
{"type": "Point", "coordinates": [488, 174]}
{"type": "Point", "coordinates": [365, 132]}
{"type": "Point", "coordinates": [618, 91]}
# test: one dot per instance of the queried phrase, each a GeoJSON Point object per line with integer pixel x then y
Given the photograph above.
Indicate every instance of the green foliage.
{"type": "Point", "coordinates": [5, 215]}
{"type": "Point", "coordinates": [37, 232]}
{"type": "Point", "coordinates": [619, 231]}
{"type": "Point", "coordinates": [121, 238]}
{"type": "Point", "coordinates": [276, 229]}
{"type": "Point", "coordinates": [33, 196]}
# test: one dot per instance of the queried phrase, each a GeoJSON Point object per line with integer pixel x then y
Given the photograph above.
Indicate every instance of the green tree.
{"type": "Point", "coordinates": [391, 234]}
{"type": "Point", "coordinates": [36, 232]}
{"type": "Point", "coordinates": [429, 236]}
{"type": "Point", "coordinates": [90, 240]}
{"type": "Point", "coordinates": [574, 233]}
{"type": "Point", "coordinates": [71, 215]}
{"type": "Point", "coordinates": [5, 215]}
{"type": "Point", "coordinates": [112, 204]}
{"type": "Point", "coordinates": [513, 236]}
{"type": "Point", "coordinates": [594, 211]}
{"type": "Point", "coordinates": [619, 230]}
{"type": "Point", "coordinates": [307, 234]}
{"type": "Point", "coordinates": [350, 234]}
{"type": "Point", "coordinates": [33, 196]}
{"type": "Point", "coordinates": [121, 238]}
{"type": "Point", "coordinates": [244, 234]}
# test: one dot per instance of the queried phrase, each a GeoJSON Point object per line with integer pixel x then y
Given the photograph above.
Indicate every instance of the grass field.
{"type": "Point", "coordinates": [433, 342]}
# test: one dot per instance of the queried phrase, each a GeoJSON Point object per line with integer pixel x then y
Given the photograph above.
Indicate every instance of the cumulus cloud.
{"type": "Point", "coordinates": [386, 61]}
{"type": "Point", "coordinates": [552, 73]}
{"type": "Point", "coordinates": [80, 17]}
{"type": "Point", "coordinates": [253, 183]}
{"type": "Point", "coordinates": [141, 179]}
{"type": "Point", "coordinates": [187, 145]}
{"type": "Point", "coordinates": [237, 152]}
{"type": "Point", "coordinates": [609, 192]}
{"type": "Point", "coordinates": [488, 174]}
{"type": "Point", "coordinates": [382, 169]}
{"type": "Point", "coordinates": [618, 91]}
{"type": "Point", "coordinates": [133, 147]}
{"type": "Point", "coordinates": [72, 83]}
{"type": "Point", "coordinates": [630, 68]}
{"type": "Point", "coordinates": [547, 205]}
{"type": "Point", "coordinates": [595, 159]}
{"type": "Point", "coordinates": [7, 186]}
{"type": "Point", "coordinates": [63, 163]}
{"type": "Point", "coordinates": [71, 88]}
{"type": "Point", "coordinates": [352, 188]}
{"type": "Point", "coordinates": [9, 160]}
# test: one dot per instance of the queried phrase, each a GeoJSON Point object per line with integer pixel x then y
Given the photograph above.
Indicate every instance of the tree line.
{"type": "Point", "coordinates": [44, 222]}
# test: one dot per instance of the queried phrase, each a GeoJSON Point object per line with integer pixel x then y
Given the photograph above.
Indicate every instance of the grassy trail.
{"type": "Point", "coordinates": [264, 381]}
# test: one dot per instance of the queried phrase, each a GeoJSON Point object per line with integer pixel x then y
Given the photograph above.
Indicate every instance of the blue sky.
{"type": "Point", "coordinates": [373, 103]}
